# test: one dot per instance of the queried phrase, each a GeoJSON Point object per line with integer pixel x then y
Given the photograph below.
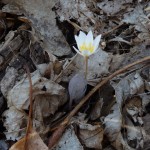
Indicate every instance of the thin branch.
{"type": "Point", "coordinates": [115, 28]}
{"type": "Point", "coordinates": [29, 125]}
{"type": "Point", "coordinates": [56, 80]}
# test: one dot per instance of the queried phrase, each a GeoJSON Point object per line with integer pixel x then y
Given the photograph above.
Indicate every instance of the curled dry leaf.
{"type": "Point", "coordinates": [91, 135]}
{"type": "Point", "coordinates": [135, 137]}
{"type": "Point", "coordinates": [131, 84]}
{"type": "Point", "coordinates": [125, 90]}
{"type": "Point", "coordinates": [48, 97]}
{"type": "Point", "coordinates": [12, 9]}
{"type": "Point", "coordinates": [134, 109]}
{"type": "Point", "coordinates": [34, 142]}
{"type": "Point", "coordinates": [113, 125]}
{"type": "Point", "coordinates": [19, 94]}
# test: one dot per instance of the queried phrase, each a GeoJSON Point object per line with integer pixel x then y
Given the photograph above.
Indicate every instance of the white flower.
{"type": "Point", "coordinates": [86, 44]}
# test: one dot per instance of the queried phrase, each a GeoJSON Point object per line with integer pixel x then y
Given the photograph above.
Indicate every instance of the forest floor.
{"type": "Point", "coordinates": [45, 100]}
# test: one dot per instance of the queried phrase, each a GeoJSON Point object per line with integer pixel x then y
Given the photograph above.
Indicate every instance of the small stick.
{"type": "Point", "coordinates": [29, 125]}
{"type": "Point", "coordinates": [56, 80]}
{"type": "Point", "coordinates": [106, 33]}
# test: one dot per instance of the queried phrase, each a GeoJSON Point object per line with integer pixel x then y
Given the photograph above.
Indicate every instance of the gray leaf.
{"type": "Point", "coordinates": [77, 88]}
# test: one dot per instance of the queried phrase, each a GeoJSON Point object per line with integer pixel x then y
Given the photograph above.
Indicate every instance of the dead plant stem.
{"type": "Point", "coordinates": [29, 124]}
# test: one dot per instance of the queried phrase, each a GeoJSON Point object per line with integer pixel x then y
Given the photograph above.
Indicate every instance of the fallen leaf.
{"type": "Point", "coordinates": [91, 135]}
{"type": "Point", "coordinates": [113, 7]}
{"type": "Point", "coordinates": [15, 123]}
{"type": "Point", "coordinates": [135, 136]}
{"type": "Point", "coordinates": [96, 110]}
{"type": "Point", "coordinates": [69, 140]}
{"type": "Point", "coordinates": [34, 142]}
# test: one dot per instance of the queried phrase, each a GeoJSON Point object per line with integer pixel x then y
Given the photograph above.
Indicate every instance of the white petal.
{"type": "Point", "coordinates": [89, 38]}
{"type": "Point", "coordinates": [96, 42]}
{"type": "Point", "coordinates": [82, 37]}
{"type": "Point", "coordinates": [78, 41]}
{"type": "Point", "coordinates": [77, 51]}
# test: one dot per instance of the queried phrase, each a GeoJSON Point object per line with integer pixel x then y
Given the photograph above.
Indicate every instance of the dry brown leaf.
{"type": "Point", "coordinates": [34, 143]}
{"type": "Point", "coordinates": [91, 135]}
{"type": "Point", "coordinates": [96, 110]}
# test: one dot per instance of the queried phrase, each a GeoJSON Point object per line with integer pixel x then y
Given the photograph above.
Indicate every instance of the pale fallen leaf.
{"type": "Point", "coordinates": [112, 7]}
{"type": "Point", "coordinates": [15, 123]}
{"type": "Point", "coordinates": [131, 84]}
{"type": "Point", "coordinates": [77, 10]}
{"type": "Point", "coordinates": [98, 65]}
{"type": "Point", "coordinates": [113, 125]}
{"type": "Point", "coordinates": [8, 80]}
{"type": "Point", "coordinates": [69, 141]}
{"type": "Point", "coordinates": [18, 96]}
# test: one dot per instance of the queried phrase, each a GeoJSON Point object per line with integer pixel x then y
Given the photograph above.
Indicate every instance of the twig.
{"type": "Point", "coordinates": [65, 68]}
{"type": "Point", "coordinates": [56, 135]}
{"type": "Point", "coordinates": [29, 125]}
{"type": "Point", "coordinates": [104, 34]}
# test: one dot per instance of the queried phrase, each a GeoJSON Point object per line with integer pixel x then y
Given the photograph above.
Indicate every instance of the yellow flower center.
{"type": "Point", "coordinates": [88, 47]}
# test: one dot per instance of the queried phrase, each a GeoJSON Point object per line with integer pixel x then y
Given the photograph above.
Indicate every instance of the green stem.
{"type": "Point", "coordinates": [86, 66]}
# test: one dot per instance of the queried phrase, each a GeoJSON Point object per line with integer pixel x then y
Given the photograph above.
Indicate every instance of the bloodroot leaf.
{"type": "Point", "coordinates": [77, 88]}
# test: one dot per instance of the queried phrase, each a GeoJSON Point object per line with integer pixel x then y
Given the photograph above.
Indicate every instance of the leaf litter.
{"type": "Point", "coordinates": [114, 116]}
